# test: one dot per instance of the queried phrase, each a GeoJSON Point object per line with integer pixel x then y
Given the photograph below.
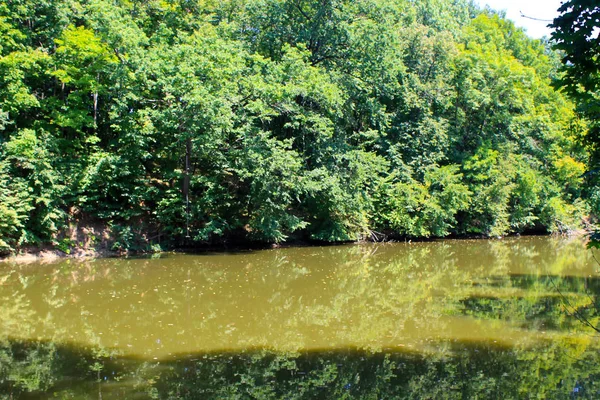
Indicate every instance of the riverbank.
{"type": "Point", "coordinates": [32, 255]}
{"type": "Point", "coordinates": [48, 254]}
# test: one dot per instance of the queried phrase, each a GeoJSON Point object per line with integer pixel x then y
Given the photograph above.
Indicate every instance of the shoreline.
{"type": "Point", "coordinates": [52, 254]}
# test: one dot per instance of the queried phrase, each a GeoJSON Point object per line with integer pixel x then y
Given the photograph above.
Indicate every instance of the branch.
{"type": "Point", "coordinates": [535, 19]}
{"type": "Point", "coordinates": [119, 56]}
{"type": "Point", "coordinates": [302, 12]}
{"type": "Point", "coordinates": [323, 58]}
{"type": "Point", "coordinates": [575, 313]}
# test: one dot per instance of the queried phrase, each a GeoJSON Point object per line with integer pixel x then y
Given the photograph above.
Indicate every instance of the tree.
{"type": "Point", "coordinates": [576, 35]}
{"type": "Point", "coordinates": [309, 119]}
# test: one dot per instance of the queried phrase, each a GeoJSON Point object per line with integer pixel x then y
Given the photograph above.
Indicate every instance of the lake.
{"type": "Point", "coordinates": [455, 319]}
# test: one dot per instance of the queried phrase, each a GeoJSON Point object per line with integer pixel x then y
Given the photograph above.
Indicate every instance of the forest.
{"type": "Point", "coordinates": [189, 122]}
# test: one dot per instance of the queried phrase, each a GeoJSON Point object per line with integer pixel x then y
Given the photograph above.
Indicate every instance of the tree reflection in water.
{"type": "Point", "coordinates": [453, 319]}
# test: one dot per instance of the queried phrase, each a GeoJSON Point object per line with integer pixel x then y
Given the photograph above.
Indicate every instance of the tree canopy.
{"type": "Point", "coordinates": [577, 38]}
{"type": "Point", "coordinates": [332, 120]}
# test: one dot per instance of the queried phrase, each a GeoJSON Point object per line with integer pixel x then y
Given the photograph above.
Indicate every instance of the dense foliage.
{"type": "Point", "coordinates": [577, 36]}
{"type": "Point", "coordinates": [327, 120]}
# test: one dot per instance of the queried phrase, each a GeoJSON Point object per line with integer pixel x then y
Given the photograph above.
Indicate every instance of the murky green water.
{"type": "Point", "coordinates": [451, 319]}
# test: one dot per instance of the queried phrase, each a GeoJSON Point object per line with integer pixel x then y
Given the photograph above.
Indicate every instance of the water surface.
{"type": "Point", "coordinates": [446, 319]}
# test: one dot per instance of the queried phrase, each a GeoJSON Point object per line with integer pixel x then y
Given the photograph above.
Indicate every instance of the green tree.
{"type": "Point", "coordinates": [575, 35]}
